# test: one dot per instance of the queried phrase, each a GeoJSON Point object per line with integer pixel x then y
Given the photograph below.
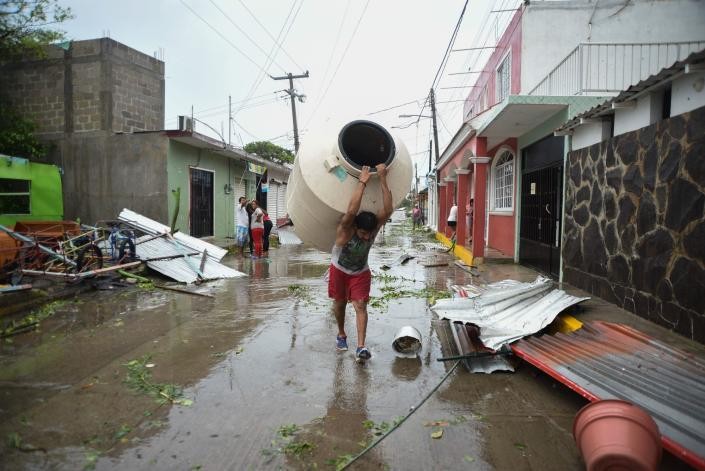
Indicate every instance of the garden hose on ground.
{"type": "Point", "coordinates": [396, 426]}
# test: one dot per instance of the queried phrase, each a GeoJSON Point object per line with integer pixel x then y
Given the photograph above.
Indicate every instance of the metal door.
{"type": "Point", "coordinates": [201, 213]}
{"type": "Point", "coordinates": [540, 226]}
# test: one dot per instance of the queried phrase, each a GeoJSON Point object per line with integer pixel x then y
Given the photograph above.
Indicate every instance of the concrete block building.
{"type": "Point", "coordinates": [99, 104]}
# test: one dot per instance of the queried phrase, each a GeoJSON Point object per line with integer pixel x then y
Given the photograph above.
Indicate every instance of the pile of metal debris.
{"type": "Point", "coordinates": [507, 310]}
{"type": "Point", "coordinates": [71, 252]}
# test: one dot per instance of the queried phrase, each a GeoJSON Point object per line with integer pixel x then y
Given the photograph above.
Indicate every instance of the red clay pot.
{"type": "Point", "coordinates": [616, 435]}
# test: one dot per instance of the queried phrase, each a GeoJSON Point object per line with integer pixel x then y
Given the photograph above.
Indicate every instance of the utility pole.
{"type": "Point", "coordinates": [430, 157]}
{"type": "Point", "coordinates": [293, 95]}
{"type": "Point", "coordinates": [435, 128]}
{"type": "Point", "coordinates": [230, 118]}
{"type": "Point", "coordinates": [416, 182]}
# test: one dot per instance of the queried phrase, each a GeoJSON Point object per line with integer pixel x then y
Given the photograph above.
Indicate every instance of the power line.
{"type": "Point", "coordinates": [450, 45]}
{"type": "Point", "coordinates": [444, 61]}
{"type": "Point", "coordinates": [276, 41]}
{"type": "Point", "coordinates": [394, 107]}
{"type": "Point", "coordinates": [243, 32]}
{"type": "Point", "coordinates": [337, 38]}
{"type": "Point", "coordinates": [275, 47]}
{"type": "Point", "coordinates": [222, 36]}
{"type": "Point", "coordinates": [340, 62]}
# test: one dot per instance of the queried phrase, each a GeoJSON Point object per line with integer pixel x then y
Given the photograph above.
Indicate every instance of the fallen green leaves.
{"type": "Point", "coordinates": [339, 462]}
{"type": "Point", "coordinates": [139, 378]}
{"type": "Point", "coordinates": [300, 292]}
{"type": "Point", "coordinates": [91, 459]}
{"type": "Point", "coordinates": [14, 440]}
{"type": "Point", "coordinates": [393, 288]}
{"type": "Point", "coordinates": [286, 443]}
{"type": "Point", "coordinates": [436, 434]}
{"type": "Point", "coordinates": [30, 321]}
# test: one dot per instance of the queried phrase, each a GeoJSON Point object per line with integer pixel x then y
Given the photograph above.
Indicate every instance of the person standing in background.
{"type": "Point", "coordinates": [469, 209]}
{"type": "Point", "coordinates": [257, 228]}
{"type": "Point", "coordinates": [453, 220]}
{"type": "Point", "coordinates": [242, 219]}
{"type": "Point", "coordinates": [267, 231]}
{"type": "Point", "coordinates": [249, 209]}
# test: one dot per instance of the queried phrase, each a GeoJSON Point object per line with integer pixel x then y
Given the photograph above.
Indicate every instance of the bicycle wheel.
{"type": "Point", "coordinates": [89, 258]}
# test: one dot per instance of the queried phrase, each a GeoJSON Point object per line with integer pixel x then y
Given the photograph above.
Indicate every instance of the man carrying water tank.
{"type": "Point", "coordinates": [350, 276]}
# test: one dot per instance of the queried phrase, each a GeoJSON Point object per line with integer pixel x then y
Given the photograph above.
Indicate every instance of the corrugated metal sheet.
{"type": "Point", "coordinates": [148, 248]}
{"type": "Point", "coordinates": [150, 226]}
{"type": "Point", "coordinates": [455, 340]}
{"type": "Point", "coordinates": [162, 255]}
{"type": "Point", "coordinates": [607, 361]}
{"type": "Point", "coordinates": [508, 310]}
{"type": "Point", "coordinates": [288, 237]}
{"type": "Point", "coordinates": [182, 269]}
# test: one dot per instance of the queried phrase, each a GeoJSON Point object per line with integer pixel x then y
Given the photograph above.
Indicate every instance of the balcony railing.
{"type": "Point", "coordinates": [607, 68]}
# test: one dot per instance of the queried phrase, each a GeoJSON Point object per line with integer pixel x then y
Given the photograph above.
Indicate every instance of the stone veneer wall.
{"type": "Point", "coordinates": [635, 222]}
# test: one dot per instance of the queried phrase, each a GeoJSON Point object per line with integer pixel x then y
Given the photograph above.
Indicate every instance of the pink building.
{"type": "Point", "coordinates": [554, 60]}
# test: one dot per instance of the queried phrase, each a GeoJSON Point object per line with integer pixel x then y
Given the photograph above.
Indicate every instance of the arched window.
{"type": "Point", "coordinates": [503, 182]}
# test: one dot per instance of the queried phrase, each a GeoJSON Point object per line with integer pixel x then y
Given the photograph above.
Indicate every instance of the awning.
{"type": "Point", "coordinates": [519, 114]}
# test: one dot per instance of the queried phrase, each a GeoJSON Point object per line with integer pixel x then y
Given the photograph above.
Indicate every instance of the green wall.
{"type": "Point", "coordinates": [181, 157]}
{"type": "Point", "coordinates": [45, 190]}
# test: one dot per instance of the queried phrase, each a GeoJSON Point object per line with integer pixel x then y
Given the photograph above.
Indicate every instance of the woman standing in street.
{"type": "Point", "coordinates": [267, 230]}
{"type": "Point", "coordinates": [257, 227]}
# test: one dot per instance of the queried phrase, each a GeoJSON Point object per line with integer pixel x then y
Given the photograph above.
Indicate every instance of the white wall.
{"type": "Point", "coordinates": [687, 93]}
{"type": "Point", "coordinates": [552, 29]}
{"type": "Point", "coordinates": [641, 115]}
{"type": "Point", "coordinates": [588, 134]}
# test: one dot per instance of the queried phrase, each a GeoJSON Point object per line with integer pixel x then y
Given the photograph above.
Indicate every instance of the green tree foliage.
{"type": "Point", "coordinates": [270, 151]}
{"type": "Point", "coordinates": [28, 25]}
{"type": "Point", "coordinates": [17, 135]}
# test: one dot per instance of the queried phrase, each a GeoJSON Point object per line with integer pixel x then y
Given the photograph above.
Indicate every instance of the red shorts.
{"type": "Point", "coordinates": [342, 286]}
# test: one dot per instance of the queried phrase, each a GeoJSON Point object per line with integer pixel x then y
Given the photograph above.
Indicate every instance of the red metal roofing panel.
{"type": "Point", "coordinates": [603, 360]}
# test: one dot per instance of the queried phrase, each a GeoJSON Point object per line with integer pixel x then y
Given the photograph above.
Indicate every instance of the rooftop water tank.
{"type": "Point", "coordinates": [325, 175]}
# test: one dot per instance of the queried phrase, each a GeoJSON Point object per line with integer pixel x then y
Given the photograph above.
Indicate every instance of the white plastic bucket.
{"type": "Point", "coordinates": [325, 175]}
{"type": "Point", "coordinates": [407, 341]}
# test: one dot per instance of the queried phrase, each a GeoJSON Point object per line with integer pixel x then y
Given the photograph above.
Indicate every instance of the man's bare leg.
{"type": "Point", "coordinates": [339, 311]}
{"type": "Point", "coordinates": [361, 321]}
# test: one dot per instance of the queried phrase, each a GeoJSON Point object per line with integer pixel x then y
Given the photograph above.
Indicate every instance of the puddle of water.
{"type": "Point", "coordinates": [258, 357]}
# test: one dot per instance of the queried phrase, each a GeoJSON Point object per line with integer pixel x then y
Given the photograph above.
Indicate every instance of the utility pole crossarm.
{"type": "Point", "coordinates": [293, 95]}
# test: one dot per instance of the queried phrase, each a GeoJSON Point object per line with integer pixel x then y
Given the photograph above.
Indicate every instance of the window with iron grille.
{"type": "Point", "coordinates": [503, 78]}
{"type": "Point", "coordinates": [503, 181]}
{"type": "Point", "coordinates": [14, 196]}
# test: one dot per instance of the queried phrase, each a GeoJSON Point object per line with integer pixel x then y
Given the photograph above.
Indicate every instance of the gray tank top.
{"type": "Point", "coordinates": [351, 258]}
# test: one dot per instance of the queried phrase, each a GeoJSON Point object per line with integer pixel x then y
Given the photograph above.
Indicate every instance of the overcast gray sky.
{"type": "Point", "coordinates": [363, 56]}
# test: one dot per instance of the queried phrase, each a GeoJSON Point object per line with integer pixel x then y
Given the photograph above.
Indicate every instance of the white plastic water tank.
{"type": "Point", "coordinates": [325, 175]}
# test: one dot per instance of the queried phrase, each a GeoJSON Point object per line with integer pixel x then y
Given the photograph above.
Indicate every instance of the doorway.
{"type": "Point", "coordinates": [542, 206]}
{"type": "Point", "coordinates": [201, 208]}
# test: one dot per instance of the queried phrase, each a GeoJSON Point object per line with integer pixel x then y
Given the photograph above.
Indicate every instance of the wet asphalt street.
{"type": "Point", "coordinates": [250, 378]}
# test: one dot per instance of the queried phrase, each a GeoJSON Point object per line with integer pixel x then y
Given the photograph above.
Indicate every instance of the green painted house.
{"type": "Point", "coordinates": [29, 191]}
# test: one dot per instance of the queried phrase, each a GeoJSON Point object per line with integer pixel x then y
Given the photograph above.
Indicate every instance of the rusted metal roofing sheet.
{"type": "Point", "coordinates": [455, 341]}
{"type": "Point", "coordinates": [150, 226]}
{"type": "Point", "coordinates": [508, 310]}
{"type": "Point", "coordinates": [613, 361]}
